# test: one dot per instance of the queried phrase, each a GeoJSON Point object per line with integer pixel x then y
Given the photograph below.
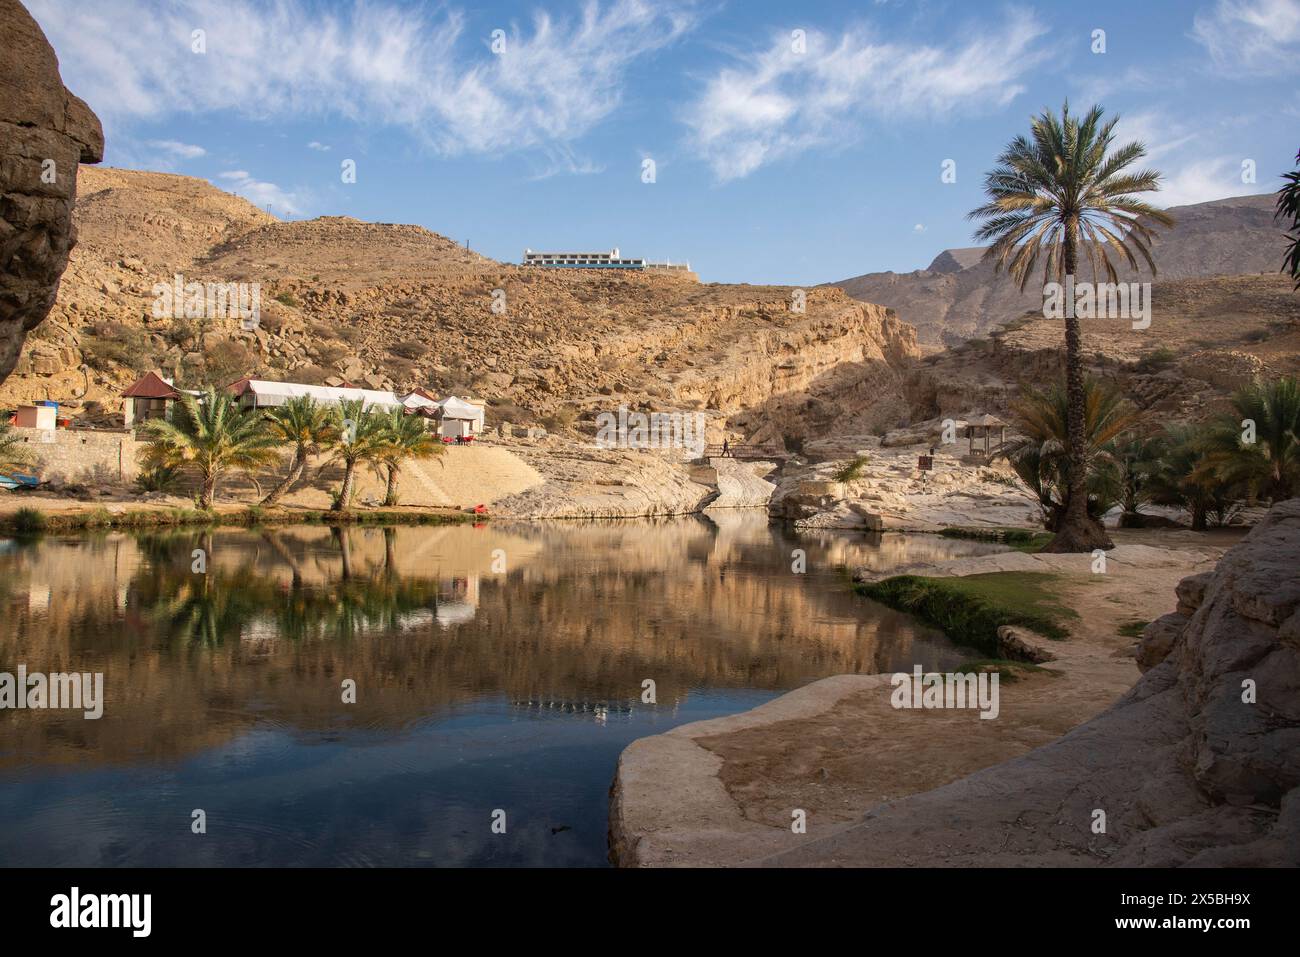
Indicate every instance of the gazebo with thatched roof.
{"type": "Point", "coordinates": [983, 427]}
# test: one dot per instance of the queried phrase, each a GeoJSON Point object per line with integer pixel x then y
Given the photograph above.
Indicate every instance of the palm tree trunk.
{"type": "Point", "coordinates": [349, 481]}
{"type": "Point", "coordinates": [208, 490]}
{"type": "Point", "coordinates": [390, 496]}
{"type": "Point", "coordinates": [1079, 532]}
{"type": "Point", "coordinates": [289, 481]}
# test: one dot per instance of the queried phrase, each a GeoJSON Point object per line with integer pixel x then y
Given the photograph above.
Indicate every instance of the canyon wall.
{"type": "Point", "coordinates": [45, 132]}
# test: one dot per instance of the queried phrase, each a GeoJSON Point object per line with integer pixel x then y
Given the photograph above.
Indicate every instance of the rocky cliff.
{"type": "Point", "coordinates": [45, 132]}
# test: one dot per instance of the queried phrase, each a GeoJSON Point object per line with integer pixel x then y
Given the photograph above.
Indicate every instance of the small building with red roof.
{"type": "Point", "coordinates": [149, 397]}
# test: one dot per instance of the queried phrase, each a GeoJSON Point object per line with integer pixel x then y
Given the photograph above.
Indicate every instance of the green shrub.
{"type": "Point", "coordinates": [116, 343]}
{"type": "Point", "coordinates": [852, 470]}
{"type": "Point", "coordinates": [410, 349]}
{"type": "Point", "coordinates": [27, 521]}
{"type": "Point", "coordinates": [1156, 359]}
{"type": "Point", "coordinates": [160, 478]}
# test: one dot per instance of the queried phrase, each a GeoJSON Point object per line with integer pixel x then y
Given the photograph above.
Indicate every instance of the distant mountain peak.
{"type": "Point", "coordinates": [955, 260]}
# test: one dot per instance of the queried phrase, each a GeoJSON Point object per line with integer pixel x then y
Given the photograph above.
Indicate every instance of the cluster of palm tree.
{"type": "Point", "coordinates": [213, 435]}
{"type": "Point", "coordinates": [1250, 454]}
{"type": "Point", "coordinates": [1060, 195]}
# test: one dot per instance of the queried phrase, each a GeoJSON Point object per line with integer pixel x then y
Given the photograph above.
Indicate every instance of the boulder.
{"type": "Point", "coordinates": [1158, 639]}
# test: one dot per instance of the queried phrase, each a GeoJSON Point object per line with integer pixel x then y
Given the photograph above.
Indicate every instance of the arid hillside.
{"type": "Point", "coordinates": [959, 297]}
{"type": "Point", "coordinates": [1207, 337]}
{"type": "Point", "coordinates": [389, 305]}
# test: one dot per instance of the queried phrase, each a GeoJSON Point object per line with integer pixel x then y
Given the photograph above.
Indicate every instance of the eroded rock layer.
{"type": "Point", "coordinates": [45, 132]}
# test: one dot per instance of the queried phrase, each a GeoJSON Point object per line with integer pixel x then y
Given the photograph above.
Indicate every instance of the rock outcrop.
{"type": "Point", "coordinates": [45, 132]}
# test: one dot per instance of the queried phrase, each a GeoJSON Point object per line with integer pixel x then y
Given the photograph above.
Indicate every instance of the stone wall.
{"type": "Point", "coordinates": [84, 456]}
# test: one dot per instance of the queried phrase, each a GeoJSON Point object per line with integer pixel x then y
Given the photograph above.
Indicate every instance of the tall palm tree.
{"type": "Point", "coordinates": [310, 427]}
{"type": "Point", "coordinates": [210, 435]}
{"type": "Point", "coordinates": [1052, 195]}
{"type": "Point", "coordinates": [408, 438]}
{"type": "Point", "coordinates": [363, 437]}
{"type": "Point", "coordinates": [1039, 456]}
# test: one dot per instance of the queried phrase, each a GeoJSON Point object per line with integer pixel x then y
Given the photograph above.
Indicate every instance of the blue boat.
{"type": "Point", "coordinates": [11, 482]}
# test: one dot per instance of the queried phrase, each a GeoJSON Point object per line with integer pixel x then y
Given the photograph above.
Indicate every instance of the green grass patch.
{"type": "Point", "coordinates": [970, 609]}
{"type": "Point", "coordinates": [1133, 629]}
{"type": "Point", "coordinates": [1021, 539]}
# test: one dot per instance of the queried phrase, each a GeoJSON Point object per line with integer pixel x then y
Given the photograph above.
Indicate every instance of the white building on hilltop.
{"type": "Point", "coordinates": [601, 260]}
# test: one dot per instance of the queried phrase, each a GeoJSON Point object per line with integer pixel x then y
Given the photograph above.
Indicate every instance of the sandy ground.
{"type": "Point", "coordinates": [724, 792]}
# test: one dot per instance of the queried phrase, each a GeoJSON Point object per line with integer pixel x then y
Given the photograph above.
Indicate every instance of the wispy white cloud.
{"type": "Point", "coordinates": [318, 146]}
{"type": "Point", "coordinates": [1098, 87]}
{"type": "Point", "coordinates": [1202, 180]}
{"type": "Point", "coordinates": [782, 100]}
{"type": "Point", "coordinates": [173, 148]}
{"type": "Point", "coordinates": [400, 65]}
{"type": "Point", "coordinates": [1194, 158]}
{"type": "Point", "coordinates": [282, 202]}
{"type": "Point", "coordinates": [1251, 36]}
{"type": "Point", "coordinates": [1161, 135]}
{"type": "Point", "coordinates": [561, 159]}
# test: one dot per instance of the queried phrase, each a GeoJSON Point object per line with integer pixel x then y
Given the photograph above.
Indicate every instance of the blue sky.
{"type": "Point", "coordinates": [778, 156]}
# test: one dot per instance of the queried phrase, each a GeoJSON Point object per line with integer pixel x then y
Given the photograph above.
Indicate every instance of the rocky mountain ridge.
{"type": "Point", "coordinates": [959, 297]}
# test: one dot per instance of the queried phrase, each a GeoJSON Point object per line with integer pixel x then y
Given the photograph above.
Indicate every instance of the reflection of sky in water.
{"type": "Point", "coordinates": [476, 691]}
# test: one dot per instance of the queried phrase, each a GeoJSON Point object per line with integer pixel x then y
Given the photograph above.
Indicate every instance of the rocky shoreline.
{"type": "Point", "coordinates": [1183, 769]}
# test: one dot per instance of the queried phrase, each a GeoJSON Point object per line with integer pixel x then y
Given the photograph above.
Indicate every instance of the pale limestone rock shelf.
{"type": "Point", "coordinates": [588, 482]}
{"type": "Point", "coordinates": [892, 494]}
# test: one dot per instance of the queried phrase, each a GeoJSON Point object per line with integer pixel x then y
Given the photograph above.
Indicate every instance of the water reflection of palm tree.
{"type": "Point", "coordinates": [344, 539]}
{"type": "Point", "coordinates": [210, 609]}
{"type": "Point", "coordinates": [390, 552]}
{"type": "Point", "coordinates": [276, 540]}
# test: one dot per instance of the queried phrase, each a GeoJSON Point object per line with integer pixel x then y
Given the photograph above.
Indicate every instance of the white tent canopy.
{"type": "Point", "coordinates": [454, 408]}
{"type": "Point", "coordinates": [417, 401]}
{"type": "Point", "coordinates": [278, 393]}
